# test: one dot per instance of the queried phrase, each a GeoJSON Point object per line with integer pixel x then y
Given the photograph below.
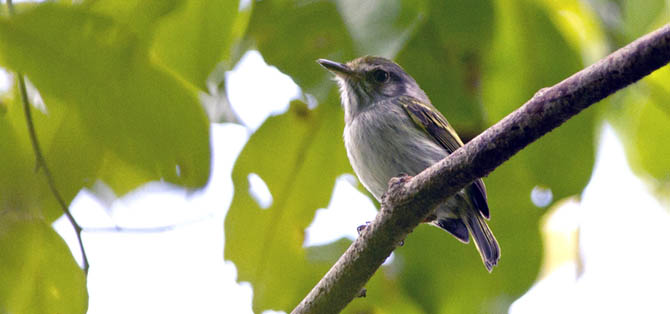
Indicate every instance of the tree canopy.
{"type": "Point", "coordinates": [121, 87]}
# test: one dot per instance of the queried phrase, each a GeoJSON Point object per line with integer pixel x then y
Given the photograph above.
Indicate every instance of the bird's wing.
{"type": "Point", "coordinates": [433, 123]}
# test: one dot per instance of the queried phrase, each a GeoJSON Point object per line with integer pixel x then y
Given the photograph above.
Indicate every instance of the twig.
{"type": "Point", "coordinates": [41, 162]}
{"type": "Point", "coordinates": [409, 200]}
{"type": "Point", "coordinates": [119, 229]}
{"type": "Point", "coordinates": [157, 229]}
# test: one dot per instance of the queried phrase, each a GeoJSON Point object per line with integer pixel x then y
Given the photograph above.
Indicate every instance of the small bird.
{"type": "Point", "coordinates": [391, 128]}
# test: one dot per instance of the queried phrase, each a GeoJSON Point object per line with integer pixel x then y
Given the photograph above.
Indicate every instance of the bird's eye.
{"type": "Point", "coordinates": [380, 76]}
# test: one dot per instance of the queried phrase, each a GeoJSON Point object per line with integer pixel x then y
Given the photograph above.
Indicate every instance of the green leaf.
{"type": "Point", "coordinates": [298, 155]}
{"type": "Point", "coordinates": [639, 17]}
{"type": "Point", "coordinates": [139, 16]}
{"type": "Point", "coordinates": [135, 112]}
{"type": "Point", "coordinates": [292, 36]}
{"type": "Point", "coordinates": [517, 68]}
{"type": "Point", "coordinates": [464, 26]}
{"type": "Point", "coordinates": [20, 186]}
{"type": "Point", "coordinates": [651, 146]}
{"type": "Point", "coordinates": [38, 272]}
{"type": "Point", "coordinates": [194, 39]}
{"type": "Point", "coordinates": [384, 294]}
{"type": "Point", "coordinates": [578, 23]}
{"type": "Point", "coordinates": [641, 116]}
{"type": "Point", "coordinates": [381, 27]}
{"type": "Point", "coordinates": [71, 155]}
{"type": "Point", "coordinates": [18, 7]}
{"type": "Point", "coordinates": [445, 276]}
{"type": "Point", "coordinates": [641, 113]}
{"type": "Point", "coordinates": [445, 57]}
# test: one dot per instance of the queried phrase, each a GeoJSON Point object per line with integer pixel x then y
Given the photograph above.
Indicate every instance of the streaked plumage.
{"type": "Point", "coordinates": [392, 128]}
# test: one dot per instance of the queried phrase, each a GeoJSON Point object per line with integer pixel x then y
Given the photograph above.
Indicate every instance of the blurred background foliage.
{"type": "Point", "coordinates": [125, 88]}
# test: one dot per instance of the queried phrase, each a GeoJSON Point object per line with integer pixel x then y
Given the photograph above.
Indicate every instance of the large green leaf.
{"type": "Point", "coordinates": [381, 27]}
{"type": "Point", "coordinates": [578, 23]}
{"type": "Point", "coordinates": [136, 113]}
{"type": "Point", "coordinates": [641, 113]}
{"type": "Point", "coordinates": [641, 116]}
{"type": "Point", "coordinates": [639, 17]}
{"type": "Point", "coordinates": [139, 16]}
{"type": "Point", "coordinates": [72, 156]}
{"type": "Point", "coordinates": [445, 54]}
{"type": "Point", "coordinates": [38, 273]}
{"type": "Point", "coordinates": [194, 39]}
{"type": "Point", "coordinates": [298, 155]}
{"type": "Point", "coordinates": [529, 52]}
{"type": "Point", "coordinates": [445, 276]}
{"type": "Point", "coordinates": [191, 38]}
{"type": "Point", "coordinates": [651, 146]}
{"type": "Point", "coordinates": [292, 36]}
{"type": "Point", "coordinates": [625, 20]}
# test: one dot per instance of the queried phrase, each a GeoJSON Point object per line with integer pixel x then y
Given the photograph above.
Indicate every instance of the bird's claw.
{"type": "Point", "coordinates": [362, 227]}
{"type": "Point", "coordinates": [363, 293]}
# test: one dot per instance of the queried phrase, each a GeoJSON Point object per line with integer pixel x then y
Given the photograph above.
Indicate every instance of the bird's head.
{"type": "Point", "coordinates": [368, 80]}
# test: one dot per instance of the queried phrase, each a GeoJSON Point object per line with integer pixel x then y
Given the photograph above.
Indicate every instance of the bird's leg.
{"type": "Point", "coordinates": [399, 179]}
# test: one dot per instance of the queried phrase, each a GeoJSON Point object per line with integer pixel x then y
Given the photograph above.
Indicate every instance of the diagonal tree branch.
{"type": "Point", "coordinates": [408, 201]}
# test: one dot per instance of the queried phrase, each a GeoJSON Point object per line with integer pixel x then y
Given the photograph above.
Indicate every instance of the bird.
{"type": "Point", "coordinates": [392, 128]}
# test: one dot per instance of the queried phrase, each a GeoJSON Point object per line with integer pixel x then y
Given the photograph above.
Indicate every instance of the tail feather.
{"type": "Point", "coordinates": [486, 243]}
{"type": "Point", "coordinates": [456, 227]}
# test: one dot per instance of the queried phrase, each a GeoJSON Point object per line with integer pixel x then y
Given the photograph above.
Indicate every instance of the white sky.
{"type": "Point", "coordinates": [624, 230]}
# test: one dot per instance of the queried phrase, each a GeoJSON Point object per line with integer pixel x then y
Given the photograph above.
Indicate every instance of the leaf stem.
{"type": "Point", "coordinates": [41, 162]}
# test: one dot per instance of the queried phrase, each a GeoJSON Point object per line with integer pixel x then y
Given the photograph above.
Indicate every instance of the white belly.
{"type": "Point", "coordinates": [385, 150]}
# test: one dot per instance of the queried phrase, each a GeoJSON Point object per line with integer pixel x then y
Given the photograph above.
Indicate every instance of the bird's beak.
{"type": "Point", "coordinates": [337, 68]}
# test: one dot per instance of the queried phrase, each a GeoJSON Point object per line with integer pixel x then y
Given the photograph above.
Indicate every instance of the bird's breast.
{"type": "Point", "coordinates": [383, 143]}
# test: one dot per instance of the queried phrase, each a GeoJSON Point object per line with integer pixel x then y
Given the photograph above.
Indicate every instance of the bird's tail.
{"type": "Point", "coordinates": [483, 237]}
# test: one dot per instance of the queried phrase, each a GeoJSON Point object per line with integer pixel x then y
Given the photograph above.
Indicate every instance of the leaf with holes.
{"type": "Point", "coordinates": [298, 155]}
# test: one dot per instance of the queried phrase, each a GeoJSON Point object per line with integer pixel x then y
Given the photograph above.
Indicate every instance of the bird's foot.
{"type": "Point", "coordinates": [362, 227]}
{"type": "Point", "coordinates": [363, 293]}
